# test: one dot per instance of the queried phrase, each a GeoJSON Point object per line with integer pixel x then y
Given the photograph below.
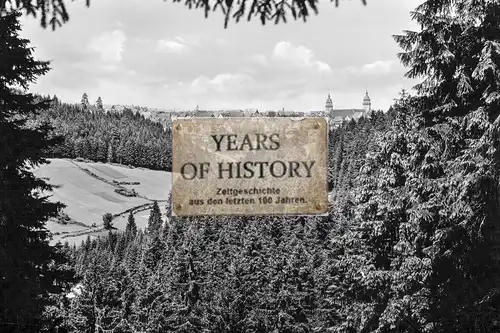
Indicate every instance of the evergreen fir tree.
{"type": "Point", "coordinates": [426, 207]}
{"type": "Point", "coordinates": [168, 206]}
{"type": "Point", "coordinates": [120, 247]}
{"type": "Point", "coordinates": [28, 265]}
{"type": "Point", "coordinates": [88, 243]}
{"type": "Point", "coordinates": [110, 153]}
{"type": "Point", "coordinates": [85, 101]}
{"type": "Point", "coordinates": [153, 253]}
{"type": "Point", "coordinates": [131, 228]}
{"type": "Point", "coordinates": [111, 241]}
{"type": "Point", "coordinates": [98, 104]}
{"type": "Point", "coordinates": [457, 54]}
{"type": "Point", "coordinates": [155, 220]}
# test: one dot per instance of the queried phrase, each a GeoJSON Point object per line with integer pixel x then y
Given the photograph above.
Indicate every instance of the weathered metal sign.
{"type": "Point", "coordinates": [249, 166]}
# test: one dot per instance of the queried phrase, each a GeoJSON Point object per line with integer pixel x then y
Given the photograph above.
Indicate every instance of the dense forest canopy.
{"type": "Point", "coordinates": [118, 137]}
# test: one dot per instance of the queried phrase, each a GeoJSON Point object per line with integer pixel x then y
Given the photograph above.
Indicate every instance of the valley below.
{"type": "Point", "coordinates": [89, 190]}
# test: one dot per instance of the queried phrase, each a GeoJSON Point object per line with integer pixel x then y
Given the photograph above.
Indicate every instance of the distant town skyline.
{"type": "Point", "coordinates": [176, 59]}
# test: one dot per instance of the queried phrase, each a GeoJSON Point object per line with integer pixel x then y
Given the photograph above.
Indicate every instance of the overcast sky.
{"type": "Point", "coordinates": [161, 54]}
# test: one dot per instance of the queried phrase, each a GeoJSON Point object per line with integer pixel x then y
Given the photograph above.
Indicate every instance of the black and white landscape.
{"type": "Point", "coordinates": [88, 242]}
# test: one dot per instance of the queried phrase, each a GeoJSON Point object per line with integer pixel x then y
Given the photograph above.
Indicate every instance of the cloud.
{"type": "Point", "coordinates": [300, 56]}
{"type": "Point", "coordinates": [259, 59]}
{"type": "Point", "coordinates": [170, 46]}
{"type": "Point", "coordinates": [191, 40]}
{"type": "Point", "coordinates": [179, 44]}
{"type": "Point", "coordinates": [221, 83]}
{"type": "Point", "coordinates": [377, 67]}
{"type": "Point", "coordinates": [110, 45]}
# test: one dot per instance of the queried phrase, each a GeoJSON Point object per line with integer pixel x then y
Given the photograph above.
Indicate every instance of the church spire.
{"type": "Point", "coordinates": [329, 103]}
{"type": "Point", "coordinates": [367, 104]}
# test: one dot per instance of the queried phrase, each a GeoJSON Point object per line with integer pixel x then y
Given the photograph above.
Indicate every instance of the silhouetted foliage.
{"type": "Point", "coordinates": [33, 274]}
{"type": "Point", "coordinates": [264, 10]}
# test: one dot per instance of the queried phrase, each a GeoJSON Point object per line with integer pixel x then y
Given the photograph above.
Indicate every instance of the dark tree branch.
{"type": "Point", "coordinates": [54, 13]}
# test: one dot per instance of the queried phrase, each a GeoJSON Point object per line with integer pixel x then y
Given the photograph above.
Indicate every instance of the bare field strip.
{"type": "Point", "coordinates": [109, 171]}
{"type": "Point", "coordinates": [154, 184]}
{"type": "Point", "coordinates": [107, 196]}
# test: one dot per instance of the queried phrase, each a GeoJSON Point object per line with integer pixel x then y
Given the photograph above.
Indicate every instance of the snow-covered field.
{"type": "Point", "coordinates": [87, 198]}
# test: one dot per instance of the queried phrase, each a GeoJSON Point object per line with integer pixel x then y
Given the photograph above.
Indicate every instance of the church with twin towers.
{"type": "Point", "coordinates": [338, 116]}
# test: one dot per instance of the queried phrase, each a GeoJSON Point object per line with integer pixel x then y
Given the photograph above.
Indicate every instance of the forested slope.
{"type": "Point", "coordinates": [121, 137]}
